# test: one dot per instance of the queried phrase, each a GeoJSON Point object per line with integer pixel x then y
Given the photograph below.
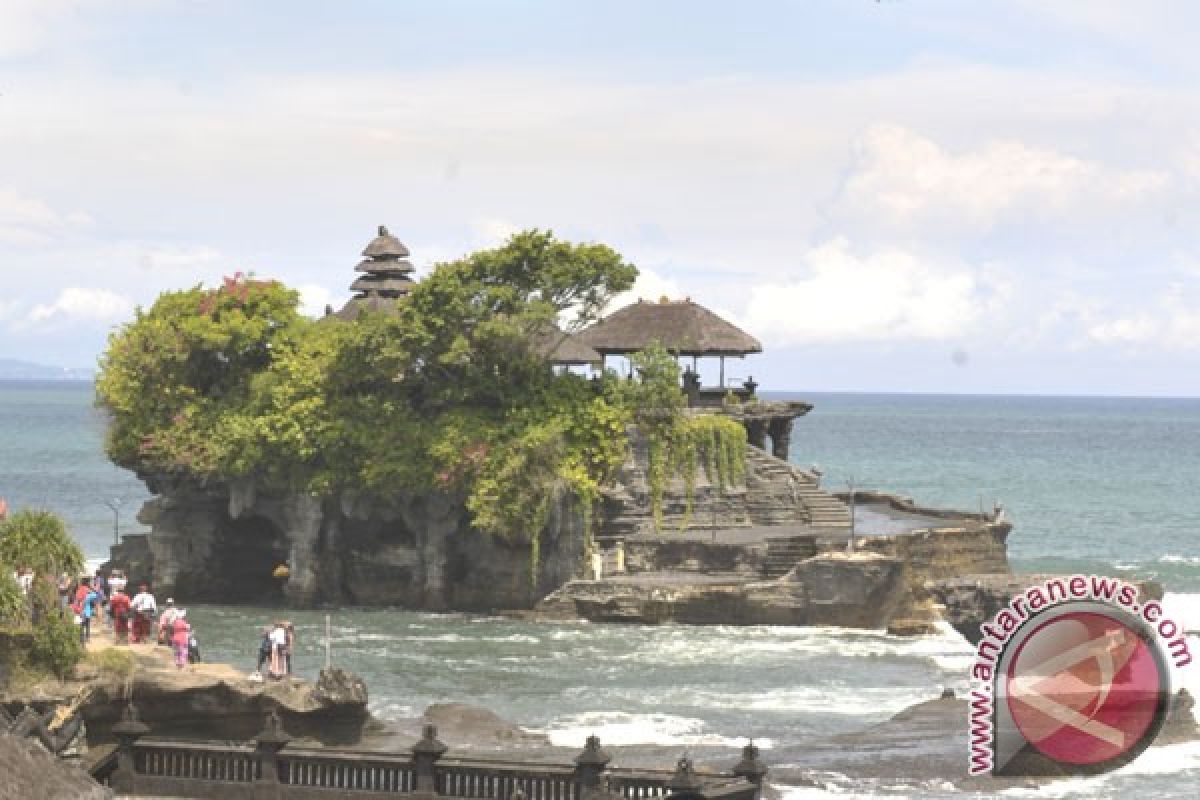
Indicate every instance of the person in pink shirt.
{"type": "Point", "coordinates": [181, 635]}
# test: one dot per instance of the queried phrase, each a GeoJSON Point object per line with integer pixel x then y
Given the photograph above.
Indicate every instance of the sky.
{"type": "Point", "coordinates": [893, 196]}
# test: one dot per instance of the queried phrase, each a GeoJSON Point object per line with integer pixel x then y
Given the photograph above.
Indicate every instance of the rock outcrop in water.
{"type": "Point", "coordinates": [220, 542]}
{"type": "Point", "coordinates": [969, 600]}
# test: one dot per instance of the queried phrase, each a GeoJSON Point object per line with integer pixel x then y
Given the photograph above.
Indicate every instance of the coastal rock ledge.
{"type": "Point", "coordinates": [207, 701]}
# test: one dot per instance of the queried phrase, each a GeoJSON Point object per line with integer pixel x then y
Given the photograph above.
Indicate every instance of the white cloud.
{"type": "Point", "coordinates": [80, 305]}
{"type": "Point", "coordinates": [650, 286]}
{"type": "Point", "coordinates": [179, 259]}
{"type": "Point", "coordinates": [26, 220]}
{"type": "Point", "coordinates": [1171, 323]}
{"type": "Point", "coordinates": [313, 299]}
{"type": "Point", "coordinates": [885, 295]}
{"type": "Point", "coordinates": [903, 180]}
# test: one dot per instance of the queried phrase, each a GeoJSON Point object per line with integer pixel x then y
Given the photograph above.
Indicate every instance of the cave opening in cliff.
{"type": "Point", "coordinates": [248, 550]}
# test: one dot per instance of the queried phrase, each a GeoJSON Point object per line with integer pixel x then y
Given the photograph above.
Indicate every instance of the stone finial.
{"type": "Point", "coordinates": [592, 754]}
{"type": "Point", "coordinates": [751, 766]}
{"type": "Point", "coordinates": [273, 732]}
{"type": "Point", "coordinates": [130, 723]}
{"type": "Point", "coordinates": [429, 744]}
{"type": "Point", "coordinates": [684, 779]}
{"type": "Point", "coordinates": [383, 230]}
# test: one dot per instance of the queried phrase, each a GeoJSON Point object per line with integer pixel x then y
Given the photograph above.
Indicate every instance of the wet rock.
{"type": "Point", "coordinates": [465, 725]}
{"type": "Point", "coordinates": [971, 600]}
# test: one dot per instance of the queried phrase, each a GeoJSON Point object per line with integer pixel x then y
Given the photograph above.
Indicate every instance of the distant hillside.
{"type": "Point", "coordinates": [14, 370]}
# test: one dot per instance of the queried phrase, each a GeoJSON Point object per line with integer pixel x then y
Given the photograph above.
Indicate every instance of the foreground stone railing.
{"type": "Point", "coordinates": [268, 769]}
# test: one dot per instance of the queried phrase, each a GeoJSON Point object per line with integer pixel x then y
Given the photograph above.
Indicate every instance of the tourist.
{"type": "Point", "coordinates": [277, 668]}
{"type": "Point", "coordinates": [117, 580]}
{"type": "Point", "coordinates": [100, 587]}
{"type": "Point", "coordinates": [290, 629]}
{"type": "Point", "coordinates": [24, 578]}
{"type": "Point", "coordinates": [118, 608]}
{"type": "Point", "coordinates": [81, 592]}
{"type": "Point", "coordinates": [144, 608]}
{"type": "Point", "coordinates": [180, 635]}
{"type": "Point", "coordinates": [264, 653]}
{"type": "Point", "coordinates": [193, 648]}
{"type": "Point", "coordinates": [165, 621]}
{"type": "Point", "coordinates": [64, 592]}
{"type": "Point", "coordinates": [89, 608]}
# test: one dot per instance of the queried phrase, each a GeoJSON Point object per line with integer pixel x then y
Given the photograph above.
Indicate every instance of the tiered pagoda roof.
{"type": "Point", "coordinates": [386, 277]}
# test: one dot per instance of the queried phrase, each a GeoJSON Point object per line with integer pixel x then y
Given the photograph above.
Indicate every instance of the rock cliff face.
{"type": "Point", "coordinates": [221, 541]}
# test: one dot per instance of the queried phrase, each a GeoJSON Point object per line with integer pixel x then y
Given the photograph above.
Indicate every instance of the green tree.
{"type": "Point", "coordinates": [452, 392]}
{"type": "Point", "coordinates": [39, 540]}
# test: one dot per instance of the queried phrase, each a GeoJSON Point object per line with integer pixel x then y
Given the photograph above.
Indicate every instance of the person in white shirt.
{"type": "Point", "coordinates": [144, 608]}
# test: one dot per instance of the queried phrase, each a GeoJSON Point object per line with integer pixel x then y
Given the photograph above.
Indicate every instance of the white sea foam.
{"type": "Point", "coordinates": [1171, 558]}
{"type": "Point", "coordinates": [619, 728]}
{"type": "Point", "coordinates": [854, 701]}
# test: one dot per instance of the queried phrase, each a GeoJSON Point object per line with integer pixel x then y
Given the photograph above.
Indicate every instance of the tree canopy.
{"type": "Point", "coordinates": [448, 393]}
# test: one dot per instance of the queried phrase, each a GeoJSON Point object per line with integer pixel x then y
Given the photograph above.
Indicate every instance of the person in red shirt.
{"type": "Point", "coordinates": [119, 609]}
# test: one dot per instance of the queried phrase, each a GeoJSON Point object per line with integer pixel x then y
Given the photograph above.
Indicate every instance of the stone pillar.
{"type": "Point", "coordinates": [781, 436]}
{"type": "Point", "coordinates": [590, 766]}
{"type": "Point", "coordinates": [751, 767]}
{"type": "Point", "coordinates": [426, 753]}
{"type": "Point", "coordinates": [267, 745]}
{"type": "Point", "coordinates": [128, 730]}
{"type": "Point", "coordinates": [684, 784]}
{"type": "Point", "coordinates": [756, 433]}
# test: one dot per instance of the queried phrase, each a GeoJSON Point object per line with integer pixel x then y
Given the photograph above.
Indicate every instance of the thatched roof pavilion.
{"type": "Point", "coordinates": [386, 277]}
{"type": "Point", "coordinates": [684, 328]}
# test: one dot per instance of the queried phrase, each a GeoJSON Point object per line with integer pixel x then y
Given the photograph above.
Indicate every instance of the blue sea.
{"type": "Point", "coordinates": [1104, 485]}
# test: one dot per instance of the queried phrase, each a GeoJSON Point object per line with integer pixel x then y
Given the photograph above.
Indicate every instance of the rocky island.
{"type": "Point", "coordinates": [374, 454]}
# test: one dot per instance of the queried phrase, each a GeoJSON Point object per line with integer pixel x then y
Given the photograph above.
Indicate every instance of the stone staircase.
{"type": "Point", "coordinates": [775, 493]}
{"type": "Point", "coordinates": [772, 477]}
{"type": "Point", "coordinates": [784, 552]}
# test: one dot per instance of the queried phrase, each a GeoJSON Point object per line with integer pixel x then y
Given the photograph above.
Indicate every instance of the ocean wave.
{"type": "Point", "coordinates": [619, 728]}
{"type": "Point", "coordinates": [1174, 559]}
{"type": "Point", "coordinates": [855, 701]}
{"type": "Point", "coordinates": [1165, 760]}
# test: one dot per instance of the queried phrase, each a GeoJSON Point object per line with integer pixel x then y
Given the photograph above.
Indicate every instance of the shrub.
{"type": "Point", "coordinates": [56, 646]}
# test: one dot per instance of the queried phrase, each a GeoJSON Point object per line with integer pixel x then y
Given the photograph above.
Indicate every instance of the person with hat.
{"type": "Point", "coordinates": [144, 608]}
{"type": "Point", "coordinates": [118, 608]}
{"type": "Point", "coordinates": [165, 622]}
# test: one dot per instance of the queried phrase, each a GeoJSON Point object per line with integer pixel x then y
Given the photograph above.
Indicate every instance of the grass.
{"type": "Point", "coordinates": [112, 660]}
